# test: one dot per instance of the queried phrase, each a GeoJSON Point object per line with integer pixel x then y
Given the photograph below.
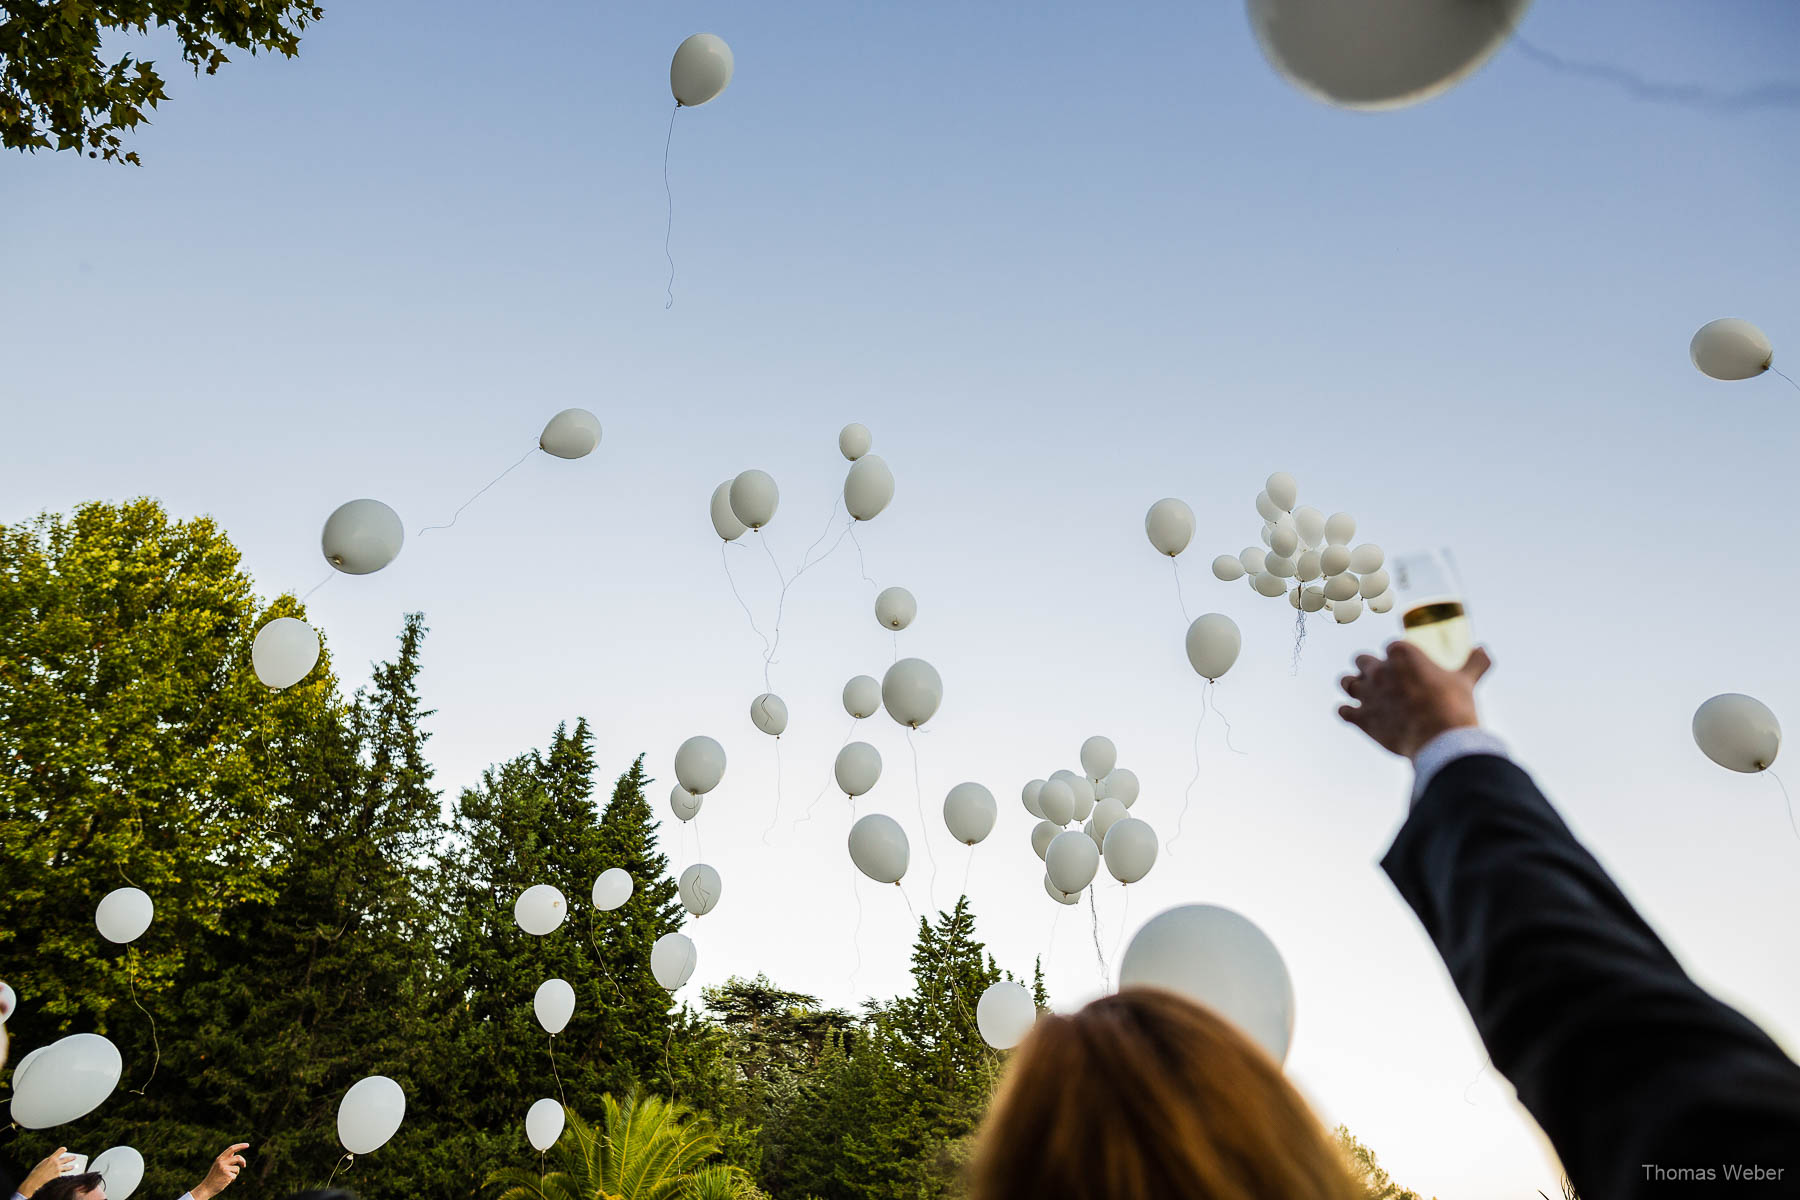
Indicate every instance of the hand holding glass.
{"type": "Point", "coordinates": [1432, 616]}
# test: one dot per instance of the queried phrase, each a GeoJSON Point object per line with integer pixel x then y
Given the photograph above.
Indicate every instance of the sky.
{"type": "Point", "coordinates": [1063, 260]}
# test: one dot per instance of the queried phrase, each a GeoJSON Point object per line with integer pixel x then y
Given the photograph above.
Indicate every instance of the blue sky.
{"type": "Point", "coordinates": [1063, 260]}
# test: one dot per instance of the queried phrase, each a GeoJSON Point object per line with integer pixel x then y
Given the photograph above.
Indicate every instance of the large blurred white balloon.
{"type": "Point", "coordinates": [1056, 800]}
{"type": "Point", "coordinates": [1731, 349]}
{"type": "Point", "coordinates": [684, 804]}
{"type": "Point", "coordinates": [970, 812]}
{"type": "Point", "coordinates": [362, 537]}
{"type": "Point", "coordinates": [612, 888]}
{"type": "Point", "coordinates": [1028, 793]}
{"type": "Point", "coordinates": [540, 909]}
{"type": "Point", "coordinates": [754, 498]}
{"type": "Point", "coordinates": [1058, 895]}
{"type": "Point", "coordinates": [700, 70]}
{"type": "Point", "coordinates": [1170, 526]}
{"type": "Point", "coordinates": [554, 1004]}
{"type": "Point", "coordinates": [1129, 849]}
{"type": "Point", "coordinates": [284, 652]}
{"type": "Point", "coordinates": [1122, 785]}
{"type": "Point", "coordinates": [1228, 567]}
{"type": "Point", "coordinates": [700, 765]}
{"type": "Point", "coordinates": [544, 1124]}
{"type": "Point", "coordinates": [123, 1169]}
{"type": "Point", "coordinates": [700, 888]}
{"type": "Point", "coordinates": [1374, 54]}
{"type": "Point", "coordinates": [1213, 642]}
{"type": "Point", "coordinates": [1005, 1014]}
{"type": "Point", "coordinates": [370, 1113]}
{"type": "Point", "coordinates": [1042, 834]}
{"type": "Point", "coordinates": [1098, 756]}
{"type": "Point", "coordinates": [857, 769]}
{"type": "Point", "coordinates": [912, 691]}
{"type": "Point", "coordinates": [854, 441]}
{"type": "Point", "coordinates": [123, 915]}
{"type": "Point", "coordinates": [1072, 860]}
{"type": "Point", "coordinates": [672, 960]}
{"type": "Point", "coordinates": [571, 433]}
{"type": "Point", "coordinates": [725, 522]}
{"type": "Point", "coordinates": [1282, 489]}
{"type": "Point", "coordinates": [1219, 959]}
{"type": "Point", "coordinates": [64, 1081]}
{"type": "Point", "coordinates": [1738, 732]}
{"type": "Point", "coordinates": [878, 847]}
{"type": "Point", "coordinates": [895, 608]}
{"type": "Point", "coordinates": [862, 696]}
{"type": "Point", "coordinates": [769, 713]}
{"type": "Point", "coordinates": [868, 488]}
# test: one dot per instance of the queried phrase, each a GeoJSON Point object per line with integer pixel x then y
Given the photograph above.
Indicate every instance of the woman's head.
{"type": "Point", "coordinates": [1146, 1096]}
{"type": "Point", "coordinates": [90, 1185]}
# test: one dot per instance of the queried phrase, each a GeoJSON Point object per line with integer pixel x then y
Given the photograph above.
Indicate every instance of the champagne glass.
{"type": "Point", "coordinates": [1432, 615]}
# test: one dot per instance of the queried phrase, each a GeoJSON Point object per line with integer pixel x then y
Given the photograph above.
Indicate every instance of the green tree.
{"type": "Point", "coordinates": [1371, 1179]}
{"type": "Point", "coordinates": [58, 89]}
{"type": "Point", "coordinates": [644, 1148]}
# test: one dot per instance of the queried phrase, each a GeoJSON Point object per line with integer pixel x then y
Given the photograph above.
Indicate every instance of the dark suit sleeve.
{"type": "Point", "coordinates": [1626, 1063]}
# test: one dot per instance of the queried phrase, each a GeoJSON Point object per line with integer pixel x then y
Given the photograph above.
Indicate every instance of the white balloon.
{"type": "Point", "coordinates": [1071, 861]}
{"type": "Point", "coordinates": [571, 433]}
{"type": "Point", "coordinates": [1731, 348]}
{"type": "Point", "coordinates": [1312, 599]}
{"type": "Point", "coordinates": [970, 812]}
{"type": "Point", "coordinates": [1269, 585]}
{"type": "Point", "coordinates": [1228, 567]}
{"type": "Point", "coordinates": [1347, 611]}
{"type": "Point", "coordinates": [725, 522]}
{"type": "Point", "coordinates": [769, 713]}
{"type": "Point", "coordinates": [1374, 54]}
{"type": "Point", "coordinates": [1005, 1014]}
{"type": "Point", "coordinates": [544, 1124]}
{"type": "Point", "coordinates": [700, 887]}
{"type": "Point", "coordinates": [612, 888]}
{"type": "Point", "coordinates": [1340, 528]}
{"type": "Point", "coordinates": [700, 70]}
{"type": "Point", "coordinates": [370, 1113]}
{"type": "Point", "coordinates": [124, 913]}
{"type": "Point", "coordinates": [1342, 587]}
{"type": "Point", "coordinates": [878, 847]}
{"type": "Point", "coordinates": [1107, 813]}
{"type": "Point", "coordinates": [1280, 567]}
{"type": "Point", "coordinates": [362, 537]}
{"type": "Point", "coordinates": [9, 1003]}
{"type": "Point", "coordinates": [1122, 785]}
{"type": "Point", "coordinates": [554, 1004]}
{"type": "Point", "coordinates": [1334, 560]}
{"type": "Point", "coordinates": [1285, 542]}
{"type": "Point", "coordinates": [754, 498]}
{"type": "Point", "coordinates": [66, 1080]}
{"type": "Point", "coordinates": [895, 608]}
{"type": "Point", "coordinates": [1382, 603]}
{"type": "Point", "coordinates": [672, 960]}
{"type": "Point", "coordinates": [1311, 524]}
{"type": "Point", "coordinates": [868, 488]}
{"type": "Point", "coordinates": [684, 804]}
{"type": "Point", "coordinates": [284, 652]}
{"type": "Point", "coordinates": [1738, 732]}
{"type": "Point", "coordinates": [1029, 794]}
{"type": "Point", "coordinates": [123, 1168]}
{"type": "Point", "coordinates": [1213, 642]}
{"type": "Point", "coordinates": [700, 765]}
{"type": "Point", "coordinates": [1251, 559]}
{"type": "Point", "coordinates": [1170, 526]}
{"type": "Point", "coordinates": [1092, 833]}
{"type": "Point", "coordinates": [1307, 567]}
{"type": "Point", "coordinates": [1367, 558]}
{"type": "Point", "coordinates": [1282, 489]}
{"type": "Point", "coordinates": [1221, 960]}
{"type": "Point", "coordinates": [1129, 849]}
{"type": "Point", "coordinates": [862, 696]}
{"type": "Point", "coordinates": [539, 910]}
{"type": "Point", "coordinates": [912, 691]}
{"type": "Point", "coordinates": [1267, 533]}
{"type": "Point", "coordinates": [1083, 792]}
{"type": "Point", "coordinates": [1060, 897]}
{"type": "Point", "coordinates": [1056, 800]}
{"type": "Point", "coordinates": [1265, 505]}
{"type": "Point", "coordinates": [1373, 584]}
{"type": "Point", "coordinates": [857, 769]}
{"type": "Point", "coordinates": [854, 441]}
{"type": "Point", "coordinates": [1042, 834]}
{"type": "Point", "coordinates": [1098, 756]}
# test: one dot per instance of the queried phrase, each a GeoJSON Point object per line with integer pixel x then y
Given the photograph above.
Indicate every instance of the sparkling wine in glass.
{"type": "Point", "coordinates": [1432, 616]}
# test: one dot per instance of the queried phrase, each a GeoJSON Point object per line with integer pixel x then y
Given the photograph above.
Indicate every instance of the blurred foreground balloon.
{"type": "Point", "coordinates": [123, 1169]}
{"type": "Point", "coordinates": [64, 1081]}
{"type": "Point", "coordinates": [1219, 959]}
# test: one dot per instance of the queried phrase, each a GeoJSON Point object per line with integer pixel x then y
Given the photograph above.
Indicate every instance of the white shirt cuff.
{"type": "Point", "coordinates": [1446, 748]}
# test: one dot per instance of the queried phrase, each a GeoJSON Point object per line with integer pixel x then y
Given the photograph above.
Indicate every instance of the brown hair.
{"type": "Point", "coordinates": [1144, 1095]}
{"type": "Point", "coordinates": [68, 1187]}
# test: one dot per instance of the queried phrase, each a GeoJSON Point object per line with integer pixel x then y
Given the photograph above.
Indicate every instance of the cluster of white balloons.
{"type": "Point", "coordinates": [1738, 732]}
{"type": "Point", "coordinates": [1098, 798]}
{"type": "Point", "coordinates": [1731, 349]}
{"type": "Point", "coordinates": [1307, 557]}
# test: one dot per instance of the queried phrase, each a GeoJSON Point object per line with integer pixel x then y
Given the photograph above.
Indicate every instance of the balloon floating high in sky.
{"type": "Point", "coordinates": [701, 69]}
{"type": "Point", "coordinates": [362, 536]}
{"type": "Point", "coordinates": [1738, 732]}
{"type": "Point", "coordinates": [1731, 349]}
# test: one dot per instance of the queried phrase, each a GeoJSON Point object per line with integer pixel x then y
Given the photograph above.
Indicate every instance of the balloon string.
{"type": "Point", "coordinates": [1099, 954]}
{"type": "Point", "coordinates": [1050, 942]}
{"type": "Point", "coordinates": [1179, 598]}
{"type": "Point", "coordinates": [669, 193]}
{"type": "Point", "coordinates": [668, 1069]}
{"type": "Point", "coordinates": [896, 647]}
{"type": "Point", "coordinates": [856, 936]}
{"type": "Point", "coordinates": [478, 495]}
{"type": "Point", "coordinates": [924, 829]}
{"type": "Point", "coordinates": [1124, 911]}
{"type": "Point", "coordinates": [1214, 701]}
{"type": "Point", "coordinates": [807, 563]}
{"type": "Point", "coordinates": [775, 817]}
{"type": "Point", "coordinates": [1767, 95]}
{"type": "Point", "coordinates": [1188, 794]}
{"type": "Point", "coordinates": [848, 733]}
{"type": "Point", "coordinates": [1299, 631]}
{"type": "Point", "coordinates": [909, 908]}
{"type": "Point", "coordinates": [1485, 1064]}
{"type": "Point", "coordinates": [1789, 800]}
{"type": "Point", "coordinates": [966, 870]}
{"type": "Point", "coordinates": [1786, 376]}
{"type": "Point", "coordinates": [329, 575]}
{"type": "Point", "coordinates": [742, 603]}
{"type": "Point", "coordinates": [131, 984]}
{"type": "Point", "coordinates": [557, 1074]}
{"type": "Point", "coordinates": [860, 564]}
{"type": "Point", "coordinates": [349, 1160]}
